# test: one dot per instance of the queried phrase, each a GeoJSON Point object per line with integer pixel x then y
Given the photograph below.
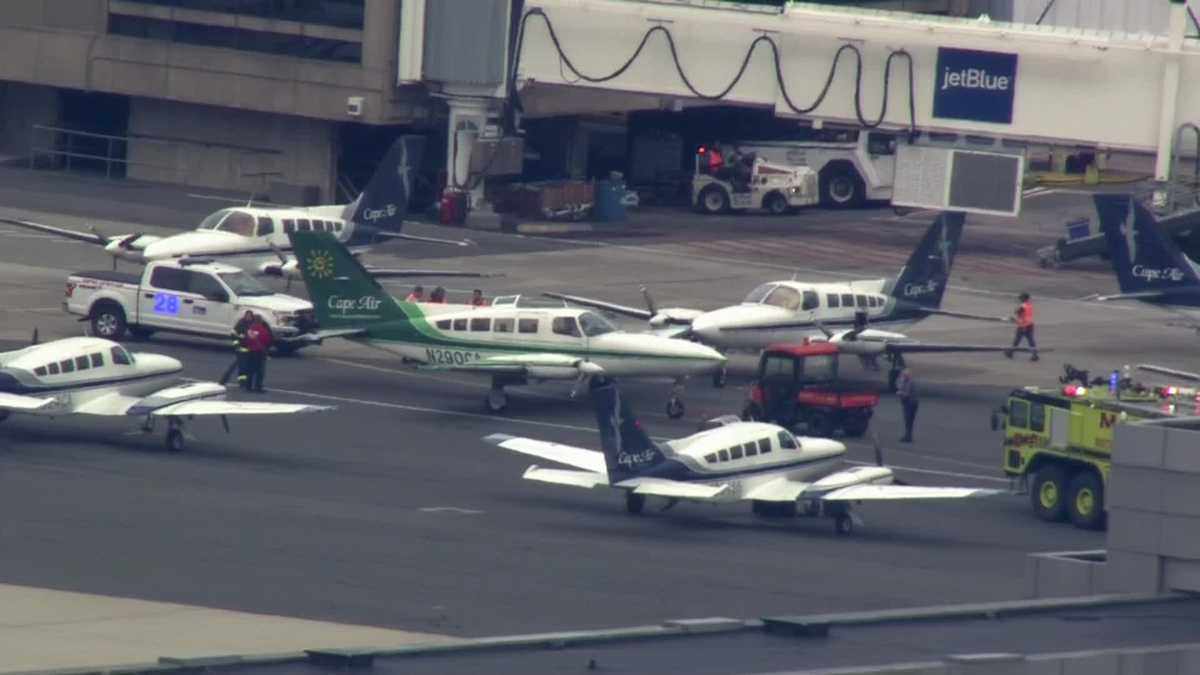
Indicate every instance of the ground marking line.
{"type": "Point", "coordinates": [450, 509]}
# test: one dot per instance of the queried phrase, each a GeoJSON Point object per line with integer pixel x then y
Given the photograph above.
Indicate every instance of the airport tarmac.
{"type": "Point", "coordinates": [391, 512]}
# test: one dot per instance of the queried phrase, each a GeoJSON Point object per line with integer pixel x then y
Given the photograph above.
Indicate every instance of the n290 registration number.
{"type": "Point", "coordinates": [450, 356]}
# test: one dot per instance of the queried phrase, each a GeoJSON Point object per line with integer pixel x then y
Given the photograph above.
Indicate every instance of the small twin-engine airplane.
{"type": "Point", "coordinates": [1149, 265]}
{"type": "Point", "coordinates": [255, 238]}
{"type": "Point", "coordinates": [92, 376]}
{"type": "Point", "coordinates": [794, 311]}
{"type": "Point", "coordinates": [514, 345]}
{"type": "Point", "coordinates": [778, 473]}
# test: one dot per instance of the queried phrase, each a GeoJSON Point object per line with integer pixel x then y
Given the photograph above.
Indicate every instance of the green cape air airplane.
{"type": "Point", "coordinates": [513, 345]}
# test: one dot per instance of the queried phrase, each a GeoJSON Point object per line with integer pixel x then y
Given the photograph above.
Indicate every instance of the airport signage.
{"type": "Point", "coordinates": [975, 85]}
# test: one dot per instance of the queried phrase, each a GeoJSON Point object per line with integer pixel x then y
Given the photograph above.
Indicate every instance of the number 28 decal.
{"type": "Point", "coordinates": [165, 303]}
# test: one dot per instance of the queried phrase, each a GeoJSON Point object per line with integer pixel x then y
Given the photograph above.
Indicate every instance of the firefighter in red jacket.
{"type": "Point", "coordinates": [258, 343]}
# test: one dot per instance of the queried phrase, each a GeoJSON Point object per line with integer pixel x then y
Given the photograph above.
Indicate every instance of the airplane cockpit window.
{"type": "Point", "coordinates": [785, 297]}
{"type": "Point", "coordinates": [213, 219]}
{"type": "Point", "coordinates": [238, 222]}
{"type": "Point", "coordinates": [811, 300]}
{"type": "Point", "coordinates": [756, 296]}
{"type": "Point", "coordinates": [787, 441]}
{"type": "Point", "coordinates": [565, 325]}
{"type": "Point", "coordinates": [244, 284]}
{"type": "Point", "coordinates": [266, 225]}
{"type": "Point", "coordinates": [593, 324]}
{"type": "Point", "coordinates": [120, 356]}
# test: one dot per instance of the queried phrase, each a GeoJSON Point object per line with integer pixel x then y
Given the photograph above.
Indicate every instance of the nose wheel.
{"type": "Point", "coordinates": [720, 377]}
{"type": "Point", "coordinates": [497, 400]}
{"type": "Point", "coordinates": [175, 438]}
{"type": "Point", "coordinates": [675, 407]}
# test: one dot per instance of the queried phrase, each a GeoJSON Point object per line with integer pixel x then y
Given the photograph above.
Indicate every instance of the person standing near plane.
{"type": "Point", "coordinates": [259, 340]}
{"type": "Point", "coordinates": [1023, 316]}
{"type": "Point", "coordinates": [438, 295]}
{"type": "Point", "coordinates": [906, 391]}
{"type": "Point", "coordinates": [417, 294]}
{"type": "Point", "coordinates": [477, 299]}
{"type": "Point", "coordinates": [242, 345]}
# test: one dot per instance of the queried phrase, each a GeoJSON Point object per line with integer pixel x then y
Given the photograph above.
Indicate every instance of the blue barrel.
{"type": "Point", "coordinates": [609, 207]}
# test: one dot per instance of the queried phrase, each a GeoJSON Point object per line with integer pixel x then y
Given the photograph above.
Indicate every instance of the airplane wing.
{"type": "Point", "coordinates": [1136, 295]}
{"type": "Point", "coordinates": [671, 331]}
{"type": "Point", "coordinates": [555, 365]}
{"type": "Point", "coordinates": [222, 407]}
{"type": "Point", "coordinates": [429, 240]}
{"type": "Point", "coordinates": [935, 347]}
{"type": "Point", "coordinates": [185, 400]}
{"type": "Point", "coordinates": [965, 315]}
{"type": "Point", "coordinates": [582, 458]}
{"type": "Point", "coordinates": [18, 403]}
{"type": "Point", "coordinates": [601, 304]}
{"type": "Point", "coordinates": [1170, 372]}
{"type": "Point", "coordinates": [583, 479]}
{"type": "Point", "coordinates": [673, 489]}
{"type": "Point", "coordinates": [89, 237]}
{"type": "Point", "coordinates": [386, 273]}
{"type": "Point", "coordinates": [778, 490]}
{"type": "Point", "coordinates": [869, 492]}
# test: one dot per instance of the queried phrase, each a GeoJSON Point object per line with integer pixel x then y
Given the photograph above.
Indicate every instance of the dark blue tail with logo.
{"type": "Point", "coordinates": [628, 450]}
{"type": "Point", "coordinates": [383, 204]}
{"type": "Point", "coordinates": [923, 279]}
{"type": "Point", "coordinates": [1145, 258]}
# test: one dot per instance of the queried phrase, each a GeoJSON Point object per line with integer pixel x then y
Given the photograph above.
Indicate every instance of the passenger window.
{"type": "Point", "coordinates": [862, 300]}
{"type": "Point", "coordinates": [847, 300]}
{"type": "Point", "coordinates": [289, 225]}
{"type": "Point", "coordinates": [265, 226]}
{"type": "Point", "coordinates": [318, 225]}
{"type": "Point", "coordinates": [503, 326]}
{"type": "Point", "coordinates": [710, 458]}
{"type": "Point", "coordinates": [303, 225]}
{"type": "Point", "coordinates": [460, 324]}
{"type": "Point", "coordinates": [751, 448]}
{"type": "Point", "coordinates": [97, 360]}
{"type": "Point", "coordinates": [1037, 417]}
{"type": "Point", "coordinates": [565, 325]}
{"type": "Point", "coordinates": [1018, 414]}
{"type": "Point", "coordinates": [811, 300]}
{"type": "Point", "coordinates": [53, 368]}
{"type": "Point", "coordinates": [872, 301]}
{"type": "Point", "coordinates": [527, 325]}
{"type": "Point", "coordinates": [764, 445]}
{"type": "Point", "coordinates": [169, 278]}
{"type": "Point", "coordinates": [832, 300]}
{"type": "Point", "coordinates": [67, 366]}
{"type": "Point", "coordinates": [40, 371]}
{"type": "Point", "coordinates": [481, 325]}
{"type": "Point", "coordinates": [735, 452]}
{"type": "Point", "coordinates": [120, 356]}
{"type": "Point", "coordinates": [444, 324]}
{"type": "Point", "coordinates": [81, 363]}
{"type": "Point", "coordinates": [724, 455]}
{"type": "Point", "coordinates": [337, 226]}
{"type": "Point", "coordinates": [786, 441]}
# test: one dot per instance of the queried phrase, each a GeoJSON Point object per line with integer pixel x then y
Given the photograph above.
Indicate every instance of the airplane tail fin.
{"type": "Point", "coordinates": [923, 279]}
{"type": "Point", "coordinates": [343, 293]}
{"type": "Point", "coordinates": [383, 204]}
{"type": "Point", "coordinates": [628, 450]}
{"type": "Point", "coordinates": [1144, 256]}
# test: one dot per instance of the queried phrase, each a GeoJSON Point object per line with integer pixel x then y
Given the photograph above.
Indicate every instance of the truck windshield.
{"type": "Point", "coordinates": [593, 324]}
{"type": "Point", "coordinates": [244, 284]}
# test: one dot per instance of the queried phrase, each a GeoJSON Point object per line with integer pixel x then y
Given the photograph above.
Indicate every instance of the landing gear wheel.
{"type": "Point", "coordinates": [108, 322]}
{"type": "Point", "coordinates": [675, 408]}
{"type": "Point", "coordinates": [720, 377]}
{"type": "Point", "coordinates": [712, 200]}
{"type": "Point", "coordinates": [1085, 501]}
{"type": "Point", "coordinates": [776, 204]}
{"type": "Point", "coordinates": [843, 524]}
{"type": "Point", "coordinates": [1049, 493]}
{"type": "Point", "coordinates": [175, 440]}
{"type": "Point", "coordinates": [634, 503]}
{"type": "Point", "coordinates": [497, 400]}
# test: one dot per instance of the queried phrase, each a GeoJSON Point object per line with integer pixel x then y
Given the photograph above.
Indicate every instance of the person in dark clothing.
{"type": "Point", "coordinates": [1023, 316]}
{"type": "Point", "coordinates": [906, 390]}
{"type": "Point", "coordinates": [259, 340]}
{"type": "Point", "coordinates": [477, 299]}
{"type": "Point", "coordinates": [241, 345]}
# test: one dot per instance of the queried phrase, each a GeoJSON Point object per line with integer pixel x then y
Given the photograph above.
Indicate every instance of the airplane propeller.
{"type": "Point", "coordinates": [225, 422]}
{"type": "Point", "coordinates": [35, 340]}
{"type": "Point", "coordinates": [879, 457]}
{"type": "Point", "coordinates": [650, 305]}
{"type": "Point", "coordinates": [282, 262]}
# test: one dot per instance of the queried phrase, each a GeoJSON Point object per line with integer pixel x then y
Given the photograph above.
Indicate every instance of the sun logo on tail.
{"type": "Point", "coordinates": [320, 265]}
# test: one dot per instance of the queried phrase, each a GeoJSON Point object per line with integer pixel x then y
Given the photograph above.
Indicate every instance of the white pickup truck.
{"type": "Point", "coordinates": [196, 297]}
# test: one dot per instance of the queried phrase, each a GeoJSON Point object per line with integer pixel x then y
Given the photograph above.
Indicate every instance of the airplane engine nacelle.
{"type": "Point", "coordinates": [674, 316]}
{"type": "Point", "coordinates": [130, 247]}
{"type": "Point", "coordinates": [859, 475]}
{"type": "Point", "coordinates": [289, 269]}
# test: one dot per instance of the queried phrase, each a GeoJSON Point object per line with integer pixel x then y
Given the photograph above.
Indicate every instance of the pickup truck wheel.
{"type": "Point", "coordinates": [108, 322]}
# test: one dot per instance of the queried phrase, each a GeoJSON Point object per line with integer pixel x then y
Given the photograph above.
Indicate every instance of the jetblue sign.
{"type": "Point", "coordinates": [974, 85]}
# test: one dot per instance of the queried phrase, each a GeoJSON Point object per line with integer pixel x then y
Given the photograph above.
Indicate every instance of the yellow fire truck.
{"type": "Point", "coordinates": [1058, 441]}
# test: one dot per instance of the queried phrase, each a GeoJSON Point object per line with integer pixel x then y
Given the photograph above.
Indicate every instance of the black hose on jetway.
{"type": "Point", "coordinates": [767, 39]}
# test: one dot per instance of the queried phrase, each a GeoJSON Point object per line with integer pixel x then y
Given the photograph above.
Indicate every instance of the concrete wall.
{"type": "Point", "coordinates": [21, 107]}
{"type": "Point", "coordinates": [216, 147]}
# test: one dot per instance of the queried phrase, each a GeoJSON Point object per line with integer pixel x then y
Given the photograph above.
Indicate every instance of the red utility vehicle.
{"type": "Point", "coordinates": [798, 384]}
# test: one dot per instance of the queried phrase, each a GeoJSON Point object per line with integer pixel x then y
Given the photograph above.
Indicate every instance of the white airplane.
{"type": "Point", "coordinates": [255, 238]}
{"type": "Point", "coordinates": [778, 473]}
{"type": "Point", "coordinates": [93, 376]}
{"type": "Point", "coordinates": [794, 311]}
{"type": "Point", "coordinates": [512, 344]}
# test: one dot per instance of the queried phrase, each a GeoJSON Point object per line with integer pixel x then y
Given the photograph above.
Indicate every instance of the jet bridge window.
{"type": "Point", "coordinates": [751, 448]}
{"type": "Point", "coordinates": [266, 225]}
{"type": "Point", "coordinates": [53, 368]}
{"type": "Point", "coordinates": [97, 360]}
{"type": "Point", "coordinates": [40, 371]}
{"type": "Point", "coordinates": [786, 441]}
{"type": "Point", "coordinates": [811, 300]}
{"type": "Point", "coordinates": [847, 299]}
{"type": "Point", "coordinates": [120, 356]}
{"type": "Point", "coordinates": [832, 300]}
{"type": "Point", "coordinates": [82, 363]}
{"type": "Point", "coordinates": [723, 455]}
{"type": "Point", "coordinates": [503, 325]}
{"type": "Point", "coordinates": [527, 325]}
{"type": "Point", "coordinates": [1018, 414]}
{"type": "Point", "coordinates": [481, 325]}
{"type": "Point", "coordinates": [67, 366]}
{"type": "Point", "coordinates": [764, 446]}
{"type": "Point", "coordinates": [460, 324]}
{"type": "Point", "coordinates": [565, 325]}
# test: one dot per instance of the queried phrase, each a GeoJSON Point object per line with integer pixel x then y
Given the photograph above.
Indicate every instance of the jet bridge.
{"type": "Point", "coordinates": [1030, 84]}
